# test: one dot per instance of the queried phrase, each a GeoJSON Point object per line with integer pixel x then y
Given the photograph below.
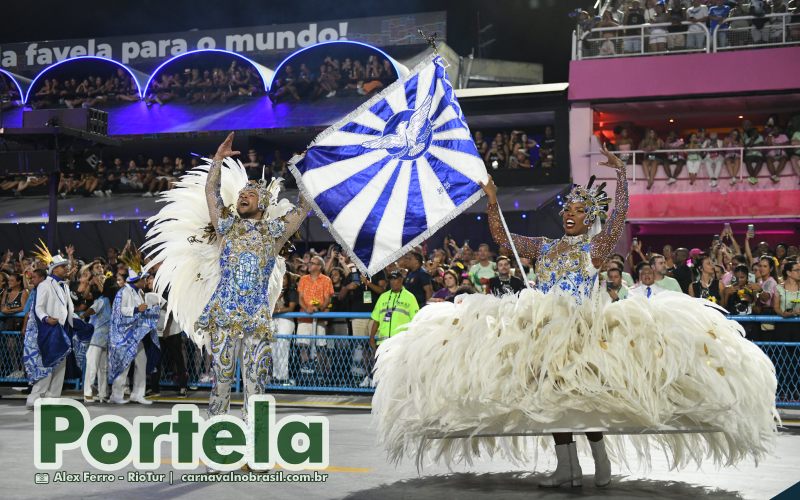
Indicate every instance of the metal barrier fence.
{"type": "Point", "coordinates": [744, 32]}
{"type": "Point", "coordinates": [342, 363]}
{"type": "Point", "coordinates": [740, 32]}
{"type": "Point", "coordinates": [636, 157]}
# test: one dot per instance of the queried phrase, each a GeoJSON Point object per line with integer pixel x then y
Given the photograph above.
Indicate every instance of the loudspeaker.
{"type": "Point", "coordinates": [89, 120]}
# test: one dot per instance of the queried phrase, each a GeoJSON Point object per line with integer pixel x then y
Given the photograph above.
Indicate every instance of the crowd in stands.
{"type": "Point", "coordinates": [746, 278]}
{"type": "Point", "coordinates": [140, 175]}
{"type": "Point", "coordinates": [707, 154]}
{"type": "Point", "coordinates": [9, 94]}
{"type": "Point", "coordinates": [88, 92]}
{"type": "Point", "coordinates": [682, 24]}
{"type": "Point", "coordinates": [518, 149]}
{"type": "Point", "coordinates": [331, 77]}
{"type": "Point", "coordinates": [196, 84]}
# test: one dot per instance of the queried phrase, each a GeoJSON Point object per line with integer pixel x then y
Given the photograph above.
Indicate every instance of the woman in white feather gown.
{"type": "Point", "coordinates": [562, 357]}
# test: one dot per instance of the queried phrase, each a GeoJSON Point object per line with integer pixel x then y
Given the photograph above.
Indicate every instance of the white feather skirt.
{"type": "Point", "coordinates": [488, 368]}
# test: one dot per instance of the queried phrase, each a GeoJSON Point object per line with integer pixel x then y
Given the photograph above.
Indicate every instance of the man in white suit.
{"type": "Point", "coordinates": [54, 309]}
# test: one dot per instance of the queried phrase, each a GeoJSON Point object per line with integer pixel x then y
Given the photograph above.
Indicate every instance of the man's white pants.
{"type": "Point", "coordinates": [280, 349]}
{"type": "Point", "coordinates": [50, 386]}
{"type": "Point", "coordinates": [96, 365]}
{"type": "Point", "coordinates": [139, 377]}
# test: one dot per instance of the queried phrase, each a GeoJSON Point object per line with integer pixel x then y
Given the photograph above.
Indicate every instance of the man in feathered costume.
{"type": "Point", "coordinates": [563, 357]}
{"type": "Point", "coordinates": [224, 271]}
{"type": "Point", "coordinates": [132, 333]}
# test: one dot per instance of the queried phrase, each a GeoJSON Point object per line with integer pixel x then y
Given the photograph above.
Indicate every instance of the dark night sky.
{"type": "Point", "coordinates": [526, 30]}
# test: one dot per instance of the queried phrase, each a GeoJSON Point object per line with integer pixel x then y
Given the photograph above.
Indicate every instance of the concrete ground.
{"type": "Point", "coordinates": [359, 470]}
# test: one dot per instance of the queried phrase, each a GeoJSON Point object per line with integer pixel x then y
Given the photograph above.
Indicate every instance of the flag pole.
{"type": "Point", "coordinates": [513, 247]}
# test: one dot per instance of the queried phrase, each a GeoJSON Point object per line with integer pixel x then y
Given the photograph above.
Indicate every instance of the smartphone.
{"type": "Point", "coordinates": [716, 238]}
{"type": "Point", "coordinates": [635, 240]}
{"type": "Point", "coordinates": [727, 226]}
{"type": "Point", "coordinates": [355, 277]}
{"type": "Point", "coordinates": [751, 230]}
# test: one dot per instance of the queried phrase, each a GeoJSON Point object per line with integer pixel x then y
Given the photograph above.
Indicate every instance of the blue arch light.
{"type": "Point", "coordinates": [250, 61]}
{"type": "Point", "coordinates": [396, 65]}
{"type": "Point", "coordinates": [11, 77]}
{"type": "Point", "coordinates": [38, 75]}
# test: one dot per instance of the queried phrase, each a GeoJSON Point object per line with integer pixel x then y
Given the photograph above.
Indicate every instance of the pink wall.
{"type": "Point", "coordinates": [715, 205]}
{"type": "Point", "coordinates": [737, 71]}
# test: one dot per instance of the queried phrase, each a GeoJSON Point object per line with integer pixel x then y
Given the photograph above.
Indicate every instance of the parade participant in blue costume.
{"type": "Point", "coordinates": [133, 325]}
{"type": "Point", "coordinates": [224, 271]}
{"type": "Point", "coordinates": [476, 376]}
{"type": "Point", "coordinates": [97, 354]}
{"type": "Point", "coordinates": [50, 329]}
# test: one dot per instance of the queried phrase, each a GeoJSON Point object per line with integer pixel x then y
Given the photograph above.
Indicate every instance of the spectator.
{"type": "Point", "coordinates": [547, 150]}
{"type": "Point", "coordinates": [623, 143]}
{"type": "Point", "coordinates": [279, 167]}
{"type": "Point", "coordinates": [314, 294]}
{"type": "Point", "coordinates": [759, 32]}
{"type": "Point", "coordinates": [683, 273]}
{"type": "Point", "coordinates": [694, 158]}
{"type": "Point", "coordinates": [483, 270]}
{"type": "Point", "coordinates": [650, 144]}
{"type": "Point", "coordinates": [732, 164]}
{"type": "Point", "coordinates": [766, 285]}
{"type": "Point", "coordinates": [615, 289]}
{"type": "Point", "coordinates": [738, 297]}
{"type": "Point", "coordinates": [786, 301]}
{"type": "Point", "coordinates": [658, 33]}
{"type": "Point", "coordinates": [634, 16]}
{"type": "Point", "coordinates": [505, 282]}
{"type": "Point", "coordinates": [776, 158]}
{"type": "Point", "coordinates": [646, 287]}
{"type": "Point", "coordinates": [675, 161]}
{"type": "Point", "coordinates": [713, 159]}
{"type": "Point", "coordinates": [717, 14]}
{"type": "Point", "coordinates": [362, 293]}
{"type": "Point", "coordinates": [417, 281]}
{"type": "Point", "coordinates": [608, 47]}
{"type": "Point", "coordinates": [451, 281]}
{"type": "Point", "coordinates": [753, 158]}
{"type": "Point", "coordinates": [286, 303]}
{"type": "Point", "coordinates": [676, 40]}
{"type": "Point", "coordinates": [338, 303]}
{"type": "Point", "coordinates": [794, 154]}
{"type": "Point", "coordinates": [697, 14]}
{"type": "Point", "coordinates": [495, 157]}
{"type": "Point", "coordinates": [707, 285]}
{"type": "Point", "coordinates": [253, 165]}
{"type": "Point", "coordinates": [659, 265]}
{"type": "Point", "coordinates": [13, 297]}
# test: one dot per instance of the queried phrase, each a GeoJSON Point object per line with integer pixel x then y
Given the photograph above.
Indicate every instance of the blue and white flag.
{"type": "Point", "coordinates": [395, 170]}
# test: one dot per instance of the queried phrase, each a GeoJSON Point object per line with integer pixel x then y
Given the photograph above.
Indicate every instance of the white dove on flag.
{"type": "Point", "coordinates": [411, 137]}
{"type": "Point", "coordinates": [395, 170]}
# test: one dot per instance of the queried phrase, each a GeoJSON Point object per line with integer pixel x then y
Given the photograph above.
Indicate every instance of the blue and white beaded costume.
{"type": "Point", "coordinates": [241, 301]}
{"type": "Point", "coordinates": [239, 314]}
{"type": "Point", "coordinates": [483, 371]}
{"type": "Point", "coordinates": [223, 271]}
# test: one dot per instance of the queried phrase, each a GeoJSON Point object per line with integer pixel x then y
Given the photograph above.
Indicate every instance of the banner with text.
{"type": "Point", "coordinates": [266, 44]}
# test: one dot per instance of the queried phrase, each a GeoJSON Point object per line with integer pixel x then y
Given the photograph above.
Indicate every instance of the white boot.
{"type": "Point", "coordinates": [602, 466]}
{"type": "Point", "coordinates": [568, 469]}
